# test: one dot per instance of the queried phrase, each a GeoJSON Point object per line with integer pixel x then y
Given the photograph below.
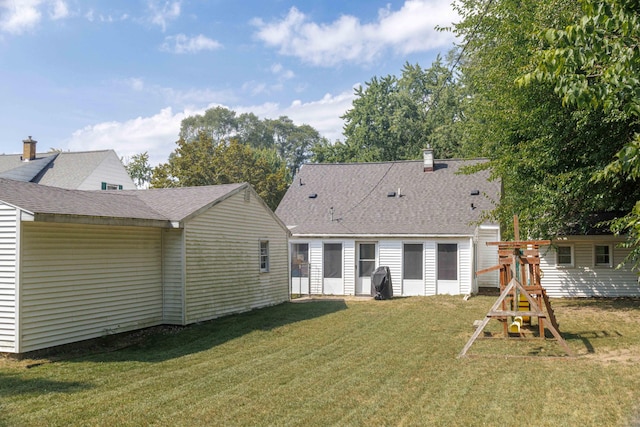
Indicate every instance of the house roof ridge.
{"type": "Point", "coordinates": [386, 162]}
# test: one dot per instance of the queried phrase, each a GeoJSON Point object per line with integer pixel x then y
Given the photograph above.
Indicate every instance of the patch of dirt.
{"type": "Point", "coordinates": [630, 356]}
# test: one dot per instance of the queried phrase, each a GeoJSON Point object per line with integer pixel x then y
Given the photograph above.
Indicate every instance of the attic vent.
{"type": "Point", "coordinates": [313, 195]}
{"type": "Point", "coordinates": [247, 195]}
{"type": "Point", "coordinates": [475, 192]}
{"type": "Point", "coordinates": [391, 194]}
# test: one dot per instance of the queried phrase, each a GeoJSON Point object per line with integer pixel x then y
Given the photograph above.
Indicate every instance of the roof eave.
{"type": "Point", "coordinates": [103, 220]}
{"type": "Point", "coordinates": [382, 236]}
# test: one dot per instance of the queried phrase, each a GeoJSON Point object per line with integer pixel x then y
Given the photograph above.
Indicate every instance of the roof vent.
{"type": "Point", "coordinates": [313, 195]}
{"type": "Point", "coordinates": [391, 194]}
{"type": "Point", "coordinates": [427, 153]}
{"type": "Point", "coordinates": [475, 192]}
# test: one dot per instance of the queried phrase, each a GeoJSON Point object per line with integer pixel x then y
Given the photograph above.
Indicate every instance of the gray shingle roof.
{"type": "Point", "coordinates": [58, 169]}
{"type": "Point", "coordinates": [430, 203]}
{"type": "Point", "coordinates": [12, 166]}
{"type": "Point", "coordinates": [72, 168]}
{"type": "Point", "coordinates": [182, 202]}
{"type": "Point", "coordinates": [172, 204]}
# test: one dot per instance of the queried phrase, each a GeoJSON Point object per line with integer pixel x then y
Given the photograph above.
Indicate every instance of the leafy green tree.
{"type": "Point", "coordinates": [139, 169]}
{"type": "Point", "coordinates": [253, 131]}
{"type": "Point", "coordinates": [594, 65]}
{"type": "Point", "coordinates": [203, 162]}
{"type": "Point", "coordinates": [219, 123]}
{"type": "Point", "coordinates": [394, 118]}
{"type": "Point", "coordinates": [293, 142]}
{"type": "Point", "coordinates": [545, 154]}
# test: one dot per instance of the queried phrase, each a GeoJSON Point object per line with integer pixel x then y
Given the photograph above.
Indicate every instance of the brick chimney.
{"type": "Point", "coordinates": [28, 149]}
{"type": "Point", "coordinates": [428, 159]}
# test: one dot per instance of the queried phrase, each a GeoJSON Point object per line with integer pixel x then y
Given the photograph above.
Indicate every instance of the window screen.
{"type": "Point", "coordinates": [332, 261]}
{"type": "Point", "coordinates": [367, 259]}
{"type": "Point", "coordinates": [264, 256]}
{"type": "Point", "coordinates": [412, 261]}
{"type": "Point", "coordinates": [565, 255]}
{"type": "Point", "coordinates": [300, 260]}
{"type": "Point", "coordinates": [447, 261]}
{"type": "Point", "coordinates": [603, 255]}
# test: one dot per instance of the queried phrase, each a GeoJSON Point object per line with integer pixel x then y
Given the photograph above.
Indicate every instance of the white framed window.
{"type": "Point", "coordinates": [412, 264]}
{"type": "Point", "coordinates": [332, 261]}
{"type": "Point", "coordinates": [264, 256]}
{"type": "Point", "coordinates": [602, 256]}
{"type": "Point", "coordinates": [447, 261]}
{"type": "Point", "coordinates": [564, 256]}
{"type": "Point", "coordinates": [108, 186]}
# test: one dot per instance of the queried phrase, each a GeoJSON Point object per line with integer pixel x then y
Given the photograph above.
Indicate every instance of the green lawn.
{"type": "Point", "coordinates": [334, 362]}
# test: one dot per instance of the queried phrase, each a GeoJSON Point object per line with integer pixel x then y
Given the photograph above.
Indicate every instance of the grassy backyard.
{"type": "Point", "coordinates": [335, 362]}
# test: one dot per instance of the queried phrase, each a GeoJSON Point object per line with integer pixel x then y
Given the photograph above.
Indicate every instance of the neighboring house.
{"type": "Point", "coordinates": [585, 266]}
{"type": "Point", "coordinates": [422, 219]}
{"type": "Point", "coordinates": [78, 264]}
{"type": "Point", "coordinates": [88, 170]}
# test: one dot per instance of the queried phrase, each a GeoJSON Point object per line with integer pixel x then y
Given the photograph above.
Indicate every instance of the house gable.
{"type": "Point", "coordinates": [83, 170]}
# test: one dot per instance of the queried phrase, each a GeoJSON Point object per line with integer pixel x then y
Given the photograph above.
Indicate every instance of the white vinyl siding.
{"type": "Point", "coordinates": [465, 274]}
{"type": "Point", "coordinates": [173, 276]}
{"type": "Point", "coordinates": [584, 279]}
{"type": "Point", "coordinates": [8, 276]}
{"type": "Point", "coordinates": [391, 256]}
{"type": "Point", "coordinates": [80, 282]}
{"type": "Point", "coordinates": [222, 255]}
{"type": "Point", "coordinates": [487, 256]}
{"type": "Point", "coordinates": [315, 266]}
{"type": "Point", "coordinates": [430, 268]}
{"type": "Point", "coordinates": [349, 263]}
{"type": "Point", "coordinates": [111, 171]}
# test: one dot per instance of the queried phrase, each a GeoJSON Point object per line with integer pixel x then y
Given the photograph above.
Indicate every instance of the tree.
{"type": "Point", "coordinates": [594, 65]}
{"type": "Point", "coordinates": [395, 118]}
{"type": "Point", "coordinates": [219, 123]}
{"type": "Point", "coordinates": [139, 169]}
{"type": "Point", "coordinates": [203, 162]}
{"type": "Point", "coordinates": [293, 142]}
{"type": "Point", "coordinates": [545, 154]}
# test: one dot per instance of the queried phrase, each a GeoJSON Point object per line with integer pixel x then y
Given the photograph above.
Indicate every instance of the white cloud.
{"type": "Point", "coordinates": [137, 84]}
{"type": "Point", "coordinates": [181, 43]}
{"type": "Point", "coordinates": [19, 16]}
{"type": "Point", "coordinates": [59, 10]}
{"type": "Point", "coordinates": [323, 114]}
{"type": "Point", "coordinates": [282, 72]}
{"type": "Point", "coordinates": [410, 29]}
{"type": "Point", "coordinates": [158, 133]}
{"type": "Point", "coordinates": [161, 12]}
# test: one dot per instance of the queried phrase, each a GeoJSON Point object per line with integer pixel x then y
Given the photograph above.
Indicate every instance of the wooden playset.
{"type": "Point", "coordinates": [522, 297]}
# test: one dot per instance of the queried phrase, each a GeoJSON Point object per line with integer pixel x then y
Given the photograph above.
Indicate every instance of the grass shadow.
{"type": "Point", "coordinates": [15, 384]}
{"type": "Point", "coordinates": [167, 342]}
{"type": "Point", "coordinates": [605, 304]}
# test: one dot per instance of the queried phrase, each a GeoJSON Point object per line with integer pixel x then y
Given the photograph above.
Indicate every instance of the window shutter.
{"type": "Point", "coordinates": [119, 187]}
{"type": "Point", "coordinates": [104, 185]}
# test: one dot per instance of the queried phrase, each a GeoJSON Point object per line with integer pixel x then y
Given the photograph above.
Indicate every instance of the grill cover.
{"type": "Point", "coordinates": [381, 283]}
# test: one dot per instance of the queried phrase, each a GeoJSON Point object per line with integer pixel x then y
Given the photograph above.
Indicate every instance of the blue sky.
{"type": "Point", "coordinates": [97, 74]}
